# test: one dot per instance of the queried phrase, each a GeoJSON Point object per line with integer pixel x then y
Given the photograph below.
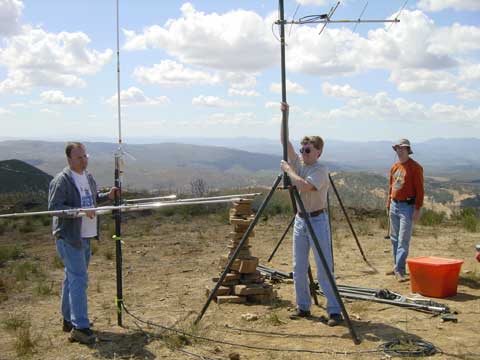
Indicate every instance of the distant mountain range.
{"type": "Point", "coordinates": [240, 162]}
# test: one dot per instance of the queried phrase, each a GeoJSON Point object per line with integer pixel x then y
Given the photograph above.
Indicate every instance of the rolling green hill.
{"type": "Point", "coordinates": [19, 177]}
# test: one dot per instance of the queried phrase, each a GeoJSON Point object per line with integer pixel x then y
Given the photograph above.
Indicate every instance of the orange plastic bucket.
{"type": "Point", "coordinates": [434, 276]}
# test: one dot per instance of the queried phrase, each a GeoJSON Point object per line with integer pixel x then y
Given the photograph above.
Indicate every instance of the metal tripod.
{"type": "Point", "coordinates": [311, 231]}
{"type": "Point", "coordinates": [347, 218]}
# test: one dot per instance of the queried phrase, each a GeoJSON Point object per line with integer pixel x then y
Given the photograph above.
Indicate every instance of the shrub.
{"type": "Point", "coordinates": [27, 226]}
{"type": "Point", "coordinates": [468, 218]}
{"type": "Point", "coordinates": [23, 271]}
{"type": "Point", "coordinates": [44, 289]}
{"type": "Point", "coordinates": [10, 252]}
{"type": "Point", "coordinates": [57, 262]}
{"type": "Point", "coordinates": [431, 218]}
{"type": "Point", "coordinates": [24, 344]}
{"type": "Point", "coordinates": [14, 322]}
{"type": "Point", "coordinates": [3, 227]}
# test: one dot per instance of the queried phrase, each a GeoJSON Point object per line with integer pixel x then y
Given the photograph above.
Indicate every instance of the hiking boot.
{"type": "Point", "coordinates": [67, 326]}
{"type": "Point", "coordinates": [335, 319]}
{"type": "Point", "coordinates": [401, 277]}
{"type": "Point", "coordinates": [300, 314]}
{"type": "Point", "coordinates": [83, 336]}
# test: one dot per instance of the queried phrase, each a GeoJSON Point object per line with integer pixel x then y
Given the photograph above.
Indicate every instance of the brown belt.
{"type": "Point", "coordinates": [313, 213]}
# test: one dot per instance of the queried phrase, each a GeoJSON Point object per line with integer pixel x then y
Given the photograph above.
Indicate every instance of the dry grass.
{"type": "Point", "coordinates": [167, 270]}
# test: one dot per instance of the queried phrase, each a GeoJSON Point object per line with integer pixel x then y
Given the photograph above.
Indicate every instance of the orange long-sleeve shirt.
{"type": "Point", "coordinates": [406, 181]}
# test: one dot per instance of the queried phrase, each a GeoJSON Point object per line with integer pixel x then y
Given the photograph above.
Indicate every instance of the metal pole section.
{"type": "Point", "coordinates": [313, 291]}
{"type": "Point", "coordinates": [118, 184]}
{"type": "Point", "coordinates": [281, 22]}
{"type": "Point", "coordinates": [281, 239]}
{"type": "Point", "coordinates": [330, 226]}
{"type": "Point", "coordinates": [330, 278]}
{"type": "Point", "coordinates": [239, 246]}
{"type": "Point", "coordinates": [348, 219]}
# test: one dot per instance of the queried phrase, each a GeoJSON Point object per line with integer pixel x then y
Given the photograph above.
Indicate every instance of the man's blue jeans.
{"type": "Point", "coordinates": [302, 242]}
{"type": "Point", "coordinates": [401, 226]}
{"type": "Point", "coordinates": [74, 291]}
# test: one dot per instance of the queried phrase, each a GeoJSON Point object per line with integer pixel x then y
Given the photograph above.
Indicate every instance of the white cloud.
{"type": "Point", "coordinates": [313, 2]}
{"type": "Point", "coordinates": [381, 107]}
{"type": "Point", "coordinates": [58, 98]}
{"type": "Point", "coordinates": [416, 43]}
{"type": "Point", "coordinates": [38, 58]}
{"type": "Point", "coordinates": [134, 96]}
{"type": "Point", "coordinates": [468, 94]}
{"type": "Point", "coordinates": [423, 80]}
{"type": "Point", "coordinates": [240, 92]}
{"type": "Point", "coordinates": [438, 5]}
{"type": "Point", "coordinates": [10, 11]}
{"type": "Point", "coordinates": [211, 101]}
{"type": "Point", "coordinates": [171, 73]}
{"type": "Point", "coordinates": [292, 87]}
{"type": "Point", "coordinates": [243, 119]}
{"type": "Point", "coordinates": [470, 72]}
{"type": "Point", "coordinates": [18, 105]}
{"type": "Point", "coordinates": [455, 40]}
{"type": "Point", "coordinates": [5, 112]}
{"type": "Point", "coordinates": [272, 105]}
{"type": "Point", "coordinates": [237, 40]}
{"type": "Point", "coordinates": [49, 112]}
{"type": "Point", "coordinates": [340, 91]}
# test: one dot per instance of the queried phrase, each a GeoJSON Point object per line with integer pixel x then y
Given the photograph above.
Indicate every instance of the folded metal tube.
{"type": "Point", "coordinates": [167, 197]}
{"type": "Point", "coordinates": [220, 197]}
{"type": "Point", "coordinates": [274, 272]}
{"type": "Point", "coordinates": [399, 301]}
{"type": "Point", "coordinates": [125, 208]}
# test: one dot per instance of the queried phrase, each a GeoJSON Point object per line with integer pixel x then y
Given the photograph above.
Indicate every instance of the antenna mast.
{"type": "Point", "coordinates": [118, 184]}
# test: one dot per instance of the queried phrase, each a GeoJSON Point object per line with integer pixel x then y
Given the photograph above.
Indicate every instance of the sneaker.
{"type": "Point", "coordinates": [335, 319]}
{"type": "Point", "coordinates": [83, 336]}
{"type": "Point", "coordinates": [67, 326]}
{"type": "Point", "coordinates": [300, 314]}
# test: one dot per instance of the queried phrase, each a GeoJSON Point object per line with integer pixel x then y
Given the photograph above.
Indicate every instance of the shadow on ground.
{"type": "Point", "coordinates": [131, 345]}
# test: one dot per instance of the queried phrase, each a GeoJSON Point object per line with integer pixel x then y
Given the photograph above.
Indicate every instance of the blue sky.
{"type": "Point", "coordinates": [211, 69]}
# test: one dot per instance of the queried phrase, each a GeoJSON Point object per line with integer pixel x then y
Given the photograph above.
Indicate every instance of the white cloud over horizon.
{"type": "Point", "coordinates": [439, 5]}
{"type": "Point", "coordinates": [10, 12]}
{"type": "Point", "coordinates": [35, 57]}
{"type": "Point", "coordinates": [212, 101]}
{"type": "Point", "coordinates": [56, 97]}
{"type": "Point", "coordinates": [133, 96]}
{"type": "Point", "coordinates": [211, 40]}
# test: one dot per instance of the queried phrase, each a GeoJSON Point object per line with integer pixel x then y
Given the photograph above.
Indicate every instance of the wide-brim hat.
{"type": "Point", "coordinates": [403, 143]}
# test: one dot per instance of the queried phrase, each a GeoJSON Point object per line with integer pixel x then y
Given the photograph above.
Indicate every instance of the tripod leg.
{"type": "Point", "coordinates": [330, 278]}
{"type": "Point", "coordinates": [281, 239]}
{"type": "Point", "coordinates": [330, 226]}
{"type": "Point", "coordinates": [313, 291]}
{"type": "Point", "coordinates": [348, 219]}
{"type": "Point", "coordinates": [239, 246]}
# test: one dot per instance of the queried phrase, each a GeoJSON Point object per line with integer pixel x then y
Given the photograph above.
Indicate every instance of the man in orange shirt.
{"type": "Point", "coordinates": [405, 199]}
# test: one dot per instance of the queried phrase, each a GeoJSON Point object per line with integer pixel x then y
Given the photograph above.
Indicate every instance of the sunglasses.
{"type": "Point", "coordinates": [305, 150]}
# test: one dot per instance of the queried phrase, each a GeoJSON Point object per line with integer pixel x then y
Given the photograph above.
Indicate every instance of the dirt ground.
{"type": "Point", "coordinates": [168, 263]}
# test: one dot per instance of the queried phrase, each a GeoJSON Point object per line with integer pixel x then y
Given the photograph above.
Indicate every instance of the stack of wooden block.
{"type": "Point", "coordinates": [243, 283]}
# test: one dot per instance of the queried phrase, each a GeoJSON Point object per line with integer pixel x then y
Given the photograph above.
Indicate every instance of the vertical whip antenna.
{"type": "Point", "coordinates": [118, 184]}
{"type": "Point", "coordinates": [118, 81]}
